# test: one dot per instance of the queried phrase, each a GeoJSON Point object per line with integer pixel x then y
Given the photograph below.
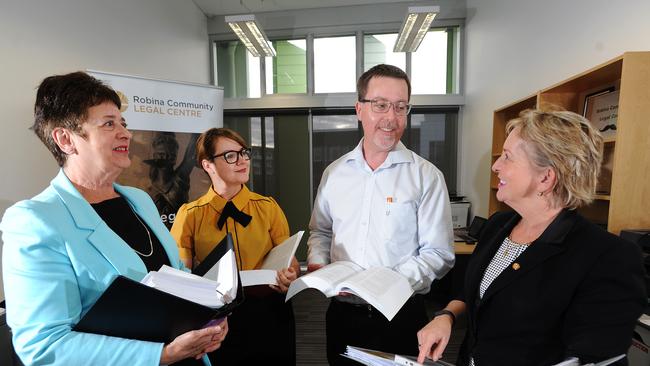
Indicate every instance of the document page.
{"type": "Point", "coordinates": [369, 357]}
{"type": "Point", "coordinates": [225, 273]}
{"type": "Point", "coordinates": [185, 285]}
{"type": "Point", "coordinates": [413, 361]}
{"type": "Point", "coordinates": [381, 287]}
{"type": "Point", "coordinates": [278, 258]}
{"type": "Point", "coordinates": [258, 277]}
{"type": "Point", "coordinates": [325, 279]}
{"type": "Point", "coordinates": [378, 358]}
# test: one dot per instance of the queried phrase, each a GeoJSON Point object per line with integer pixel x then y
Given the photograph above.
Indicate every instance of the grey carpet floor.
{"type": "Point", "coordinates": [309, 308]}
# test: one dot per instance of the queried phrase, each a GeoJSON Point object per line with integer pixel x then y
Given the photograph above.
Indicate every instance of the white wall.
{"type": "Point", "coordinates": [515, 48]}
{"type": "Point", "coordinates": [164, 39]}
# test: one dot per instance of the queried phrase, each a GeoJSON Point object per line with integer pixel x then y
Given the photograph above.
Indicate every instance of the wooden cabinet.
{"type": "Point", "coordinates": [623, 197]}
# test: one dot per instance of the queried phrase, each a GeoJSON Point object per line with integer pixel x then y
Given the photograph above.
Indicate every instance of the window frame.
{"type": "Point", "coordinates": [315, 100]}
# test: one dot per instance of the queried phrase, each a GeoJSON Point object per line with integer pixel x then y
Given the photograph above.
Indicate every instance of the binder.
{"type": "Point", "coordinates": [129, 309]}
{"type": "Point", "coordinates": [370, 357]}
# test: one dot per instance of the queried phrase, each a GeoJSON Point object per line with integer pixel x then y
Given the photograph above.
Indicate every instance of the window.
{"type": "Point", "coordinates": [335, 64]}
{"type": "Point", "coordinates": [433, 67]}
{"type": "Point", "coordinates": [378, 49]}
{"type": "Point", "coordinates": [333, 135]}
{"type": "Point", "coordinates": [280, 173]}
{"type": "Point", "coordinates": [238, 72]}
{"type": "Point", "coordinates": [429, 64]}
{"type": "Point", "coordinates": [433, 134]}
{"type": "Point", "coordinates": [287, 72]}
{"type": "Point", "coordinates": [293, 110]}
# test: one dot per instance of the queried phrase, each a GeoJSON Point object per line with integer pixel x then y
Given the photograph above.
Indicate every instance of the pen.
{"type": "Point", "coordinates": [389, 200]}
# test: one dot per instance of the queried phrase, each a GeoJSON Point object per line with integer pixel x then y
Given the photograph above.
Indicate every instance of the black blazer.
{"type": "Point", "coordinates": [577, 292]}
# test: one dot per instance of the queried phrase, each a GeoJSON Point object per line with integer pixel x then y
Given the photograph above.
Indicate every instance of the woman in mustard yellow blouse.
{"type": "Point", "coordinates": [262, 329]}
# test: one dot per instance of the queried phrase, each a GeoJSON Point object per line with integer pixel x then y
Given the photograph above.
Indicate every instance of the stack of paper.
{"type": "Point", "coordinates": [187, 286]}
{"type": "Point", "coordinates": [369, 357]}
{"type": "Point", "coordinates": [377, 358]}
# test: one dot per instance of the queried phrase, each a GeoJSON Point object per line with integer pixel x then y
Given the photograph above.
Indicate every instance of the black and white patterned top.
{"type": "Point", "coordinates": [505, 255]}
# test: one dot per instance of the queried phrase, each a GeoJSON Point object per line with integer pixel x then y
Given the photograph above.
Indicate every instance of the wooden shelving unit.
{"type": "Point", "coordinates": [501, 118]}
{"type": "Point", "coordinates": [623, 197]}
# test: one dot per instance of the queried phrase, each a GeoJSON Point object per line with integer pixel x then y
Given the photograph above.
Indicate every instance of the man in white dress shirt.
{"type": "Point", "coordinates": [381, 205]}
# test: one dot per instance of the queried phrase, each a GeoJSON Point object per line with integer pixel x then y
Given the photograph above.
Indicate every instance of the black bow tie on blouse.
{"type": "Point", "coordinates": [230, 210]}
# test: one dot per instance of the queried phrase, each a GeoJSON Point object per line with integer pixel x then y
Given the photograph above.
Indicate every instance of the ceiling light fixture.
{"type": "Point", "coordinates": [415, 27]}
{"type": "Point", "coordinates": [251, 35]}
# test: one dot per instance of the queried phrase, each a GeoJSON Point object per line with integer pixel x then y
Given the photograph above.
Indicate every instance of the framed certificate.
{"type": "Point", "coordinates": [601, 109]}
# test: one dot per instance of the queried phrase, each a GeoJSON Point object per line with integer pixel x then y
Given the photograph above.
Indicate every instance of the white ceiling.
{"type": "Point", "coordinates": [228, 7]}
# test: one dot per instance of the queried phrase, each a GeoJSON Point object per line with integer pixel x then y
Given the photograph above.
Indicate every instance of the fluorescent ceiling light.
{"type": "Point", "coordinates": [415, 27]}
{"type": "Point", "coordinates": [251, 35]}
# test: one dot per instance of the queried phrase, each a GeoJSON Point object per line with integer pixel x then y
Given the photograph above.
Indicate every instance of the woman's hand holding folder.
{"type": "Point", "coordinates": [195, 343]}
{"type": "Point", "coordinates": [287, 275]}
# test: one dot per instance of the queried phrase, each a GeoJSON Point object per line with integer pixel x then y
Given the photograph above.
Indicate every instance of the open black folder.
{"type": "Point", "coordinates": [129, 309]}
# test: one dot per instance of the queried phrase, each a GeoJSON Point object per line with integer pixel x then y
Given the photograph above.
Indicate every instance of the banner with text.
{"type": "Point", "coordinates": [166, 118]}
{"type": "Point", "coordinates": [160, 105]}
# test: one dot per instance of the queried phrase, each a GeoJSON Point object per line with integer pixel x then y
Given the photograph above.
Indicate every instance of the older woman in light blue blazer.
{"type": "Point", "coordinates": [64, 247]}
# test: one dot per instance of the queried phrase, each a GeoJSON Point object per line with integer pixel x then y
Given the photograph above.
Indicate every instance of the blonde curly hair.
{"type": "Point", "coordinates": [567, 143]}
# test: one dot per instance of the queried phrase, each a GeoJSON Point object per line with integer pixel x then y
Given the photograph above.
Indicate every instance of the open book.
{"type": "Point", "coordinates": [278, 258]}
{"type": "Point", "coordinates": [381, 287]}
{"type": "Point", "coordinates": [167, 303]}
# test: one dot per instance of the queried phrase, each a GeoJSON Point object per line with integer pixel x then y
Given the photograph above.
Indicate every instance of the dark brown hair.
{"type": "Point", "coordinates": [63, 101]}
{"type": "Point", "coordinates": [205, 143]}
{"type": "Point", "coordinates": [381, 70]}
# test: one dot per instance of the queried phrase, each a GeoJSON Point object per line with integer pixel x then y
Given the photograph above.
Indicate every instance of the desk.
{"type": "Point", "coordinates": [460, 247]}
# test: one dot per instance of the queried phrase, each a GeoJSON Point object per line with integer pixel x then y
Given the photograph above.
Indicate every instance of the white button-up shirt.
{"type": "Point", "coordinates": [397, 216]}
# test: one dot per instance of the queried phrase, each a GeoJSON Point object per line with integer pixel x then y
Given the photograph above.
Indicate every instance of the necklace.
{"type": "Point", "coordinates": [510, 244]}
{"type": "Point", "coordinates": [148, 235]}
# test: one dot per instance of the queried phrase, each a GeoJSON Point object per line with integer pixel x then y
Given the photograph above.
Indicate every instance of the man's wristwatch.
{"type": "Point", "coordinates": [446, 312]}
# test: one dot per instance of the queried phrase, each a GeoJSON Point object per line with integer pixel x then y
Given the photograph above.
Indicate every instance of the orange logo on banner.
{"type": "Point", "coordinates": [124, 100]}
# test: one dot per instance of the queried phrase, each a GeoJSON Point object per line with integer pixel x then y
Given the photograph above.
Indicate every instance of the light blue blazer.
{"type": "Point", "coordinates": [58, 258]}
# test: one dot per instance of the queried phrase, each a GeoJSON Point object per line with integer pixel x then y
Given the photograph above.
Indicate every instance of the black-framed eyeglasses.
{"type": "Point", "coordinates": [232, 156]}
{"type": "Point", "coordinates": [382, 106]}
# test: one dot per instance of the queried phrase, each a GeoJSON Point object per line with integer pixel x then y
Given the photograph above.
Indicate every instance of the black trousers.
{"type": "Point", "coordinates": [364, 326]}
{"type": "Point", "coordinates": [261, 330]}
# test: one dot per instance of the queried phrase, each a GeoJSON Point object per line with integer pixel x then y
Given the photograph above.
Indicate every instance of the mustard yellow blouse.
{"type": "Point", "coordinates": [196, 233]}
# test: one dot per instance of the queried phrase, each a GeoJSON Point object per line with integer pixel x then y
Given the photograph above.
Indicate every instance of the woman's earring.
{"type": "Point", "coordinates": [540, 194]}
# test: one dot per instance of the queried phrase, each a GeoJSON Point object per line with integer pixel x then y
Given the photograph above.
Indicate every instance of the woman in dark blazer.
{"type": "Point", "coordinates": [545, 285]}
